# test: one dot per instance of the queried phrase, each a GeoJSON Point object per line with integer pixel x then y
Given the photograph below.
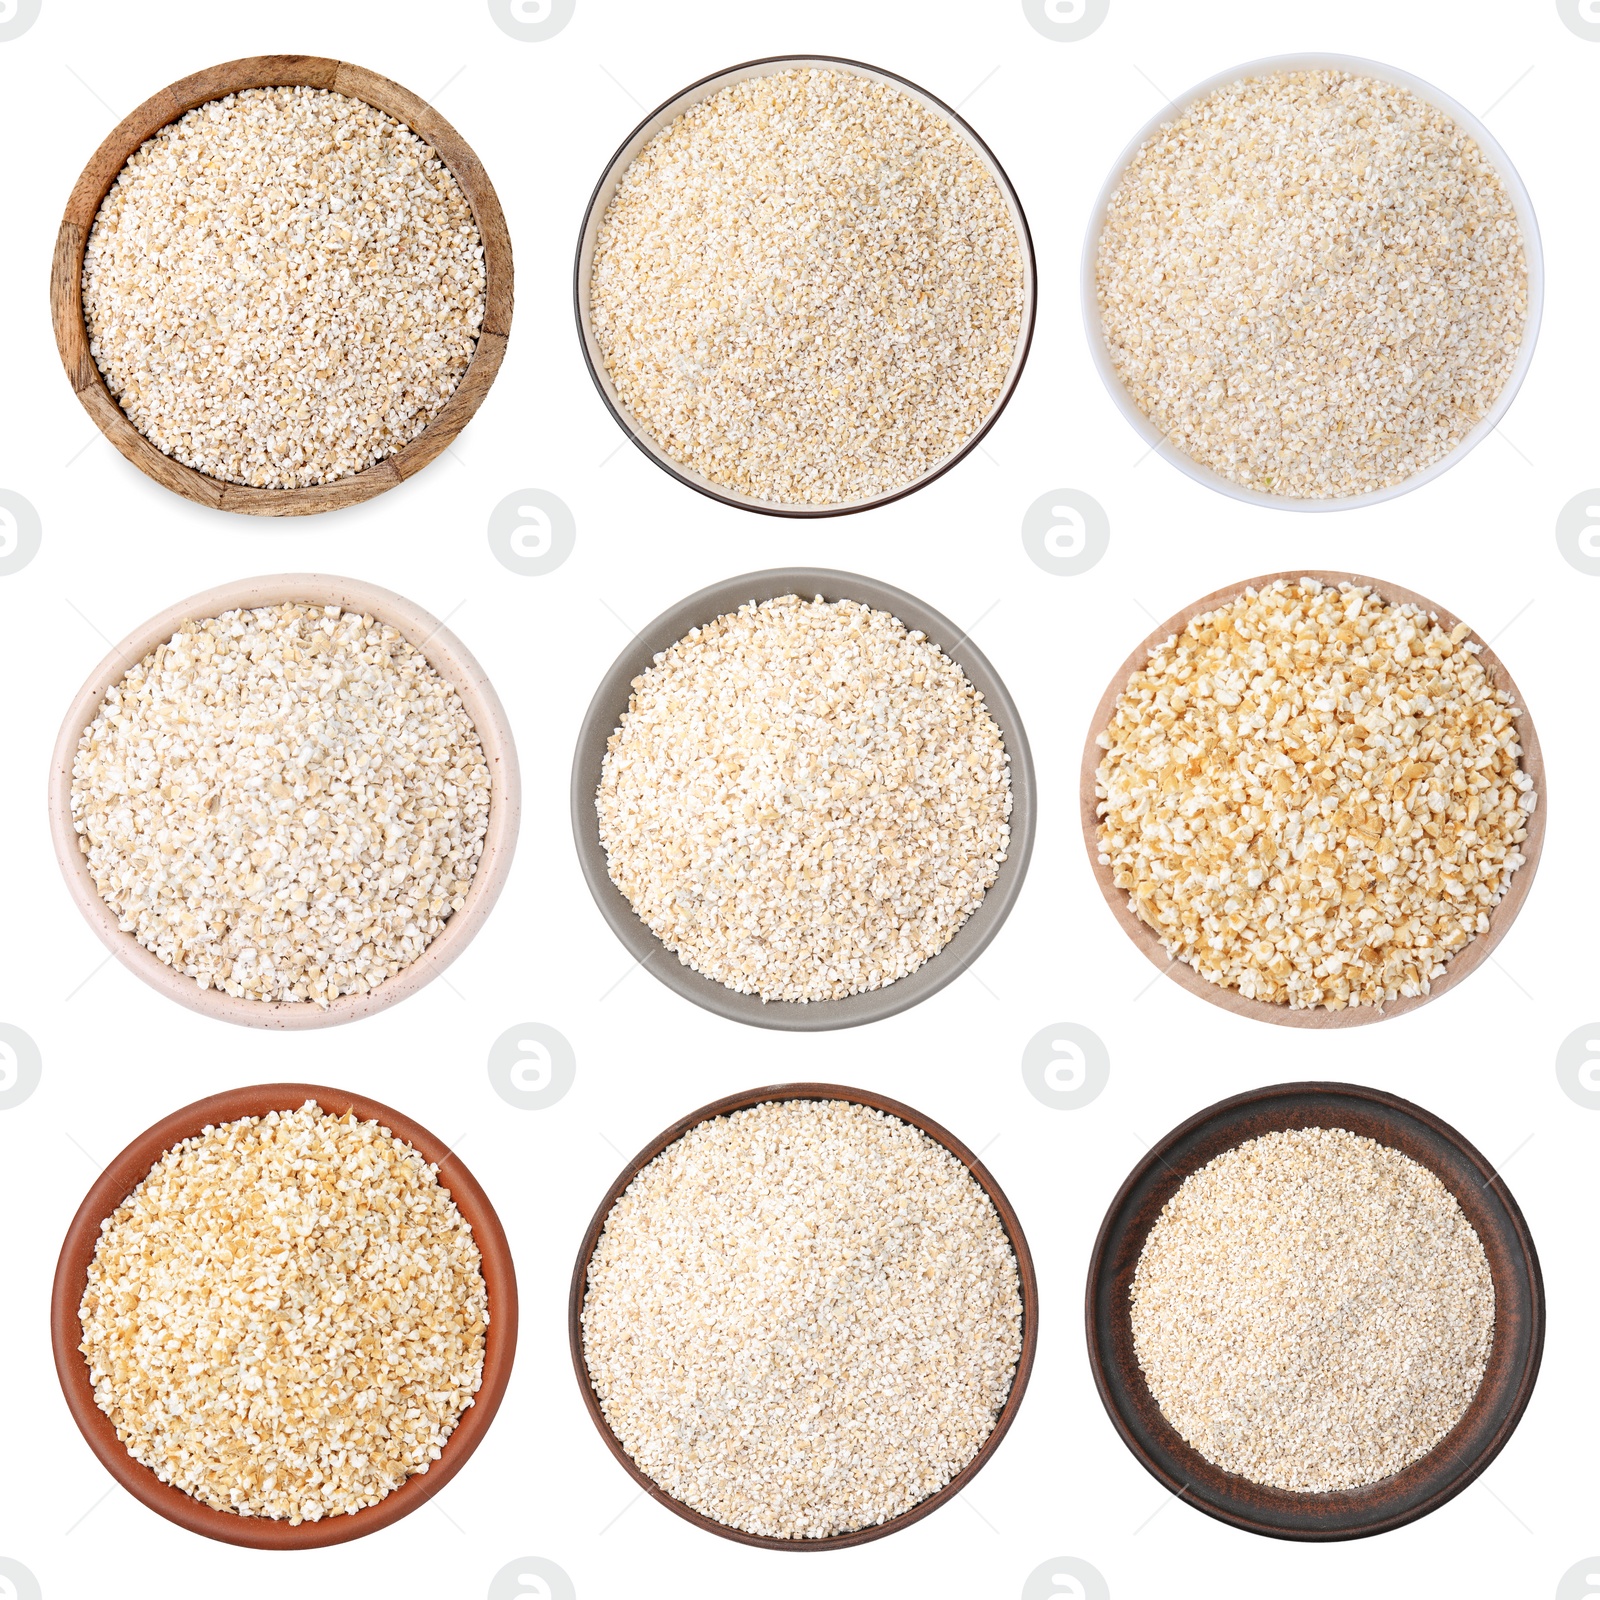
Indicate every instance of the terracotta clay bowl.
{"type": "Point", "coordinates": [453, 662]}
{"type": "Point", "coordinates": [809, 1091]}
{"type": "Point", "coordinates": [606, 711]}
{"type": "Point", "coordinates": [167, 105]}
{"type": "Point", "coordinates": [583, 268]}
{"type": "Point", "coordinates": [1460, 1456]}
{"type": "Point", "coordinates": [1464, 962]}
{"type": "Point", "coordinates": [119, 1180]}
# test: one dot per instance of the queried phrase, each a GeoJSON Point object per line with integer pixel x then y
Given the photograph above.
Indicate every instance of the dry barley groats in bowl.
{"type": "Point", "coordinates": [1313, 799]}
{"type": "Point", "coordinates": [1316, 1309]}
{"type": "Point", "coordinates": [272, 281]}
{"type": "Point", "coordinates": [284, 1317]}
{"type": "Point", "coordinates": [803, 1317]}
{"type": "Point", "coordinates": [804, 286]}
{"type": "Point", "coordinates": [287, 802]}
{"type": "Point", "coordinates": [788, 784]}
{"type": "Point", "coordinates": [1316, 283]}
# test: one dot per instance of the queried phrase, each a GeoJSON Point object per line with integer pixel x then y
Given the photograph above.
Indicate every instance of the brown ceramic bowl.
{"type": "Point", "coordinates": [453, 662]}
{"type": "Point", "coordinates": [1460, 1456]}
{"type": "Point", "coordinates": [119, 1180]}
{"type": "Point", "coordinates": [167, 105]}
{"type": "Point", "coordinates": [1465, 961]}
{"type": "Point", "coordinates": [809, 1091]}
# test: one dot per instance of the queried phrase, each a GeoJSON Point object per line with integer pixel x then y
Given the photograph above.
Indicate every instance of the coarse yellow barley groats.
{"type": "Point", "coordinates": [286, 803]}
{"type": "Point", "coordinates": [804, 800]}
{"type": "Point", "coordinates": [1313, 283]}
{"type": "Point", "coordinates": [1314, 796]}
{"type": "Point", "coordinates": [803, 1318]}
{"type": "Point", "coordinates": [1312, 1310]}
{"type": "Point", "coordinates": [286, 1318]}
{"type": "Point", "coordinates": [283, 287]}
{"type": "Point", "coordinates": [808, 288]}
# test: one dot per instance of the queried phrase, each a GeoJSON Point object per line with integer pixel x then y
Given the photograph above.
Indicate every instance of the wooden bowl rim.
{"type": "Point", "coordinates": [651, 124]}
{"type": "Point", "coordinates": [129, 1169]}
{"type": "Point", "coordinates": [453, 662]}
{"type": "Point", "coordinates": [1027, 1282]}
{"type": "Point", "coordinates": [610, 701]}
{"type": "Point", "coordinates": [165, 107]}
{"type": "Point", "coordinates": [1461, 965]}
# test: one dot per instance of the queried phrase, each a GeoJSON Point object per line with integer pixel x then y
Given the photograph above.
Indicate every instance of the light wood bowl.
{"type": "Point", "coordinates": [449, 658]}
{"type": "Point", "coordinates": [1465, 961]}
{"type": "Point", "coordinates": [167, 105]}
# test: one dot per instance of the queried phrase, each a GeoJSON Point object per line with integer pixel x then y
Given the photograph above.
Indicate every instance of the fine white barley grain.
{"type": "Point", "coordinates": [808, 288]}
{"type": "Point", "coordinates": [1314, 796]}
{"type": "Point", "coordinates": [804, 800]}
{"type": "Point", "coordinates": [287, 1317]}
{"type": "Point", "coordinates": [286, 803]}
{"type": "Point", "coordinates": [803, 1318]}
{"type": "Point", "coordinates": [1313, 283]}
{"type": "Point", "coordinates": [283, 287]}
{"type": "Point", "coordinates": [1312, 1310]}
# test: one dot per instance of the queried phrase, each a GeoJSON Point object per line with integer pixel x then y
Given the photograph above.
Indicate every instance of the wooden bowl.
{"type": "Point", "coordinates": [167, 105]}
{"type": "Point", "coordinates": [1465, 961]}
{"type": "Point", "coordinates": [1460, 1456]}
{"type": "Point", "coordinates": [583, 266]}
{"type": "Point", "coordinates": [858, 1097]}
{"type": "Point", "coordinates": [118, 1181]}
{"type": "Point", "coordinates": [453, 662]}
{"type": "Point", "coordinates": [606, 711]}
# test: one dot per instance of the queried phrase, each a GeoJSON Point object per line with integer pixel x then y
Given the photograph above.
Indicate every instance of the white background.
{"type": "Point", "coordinates": [544, 118]}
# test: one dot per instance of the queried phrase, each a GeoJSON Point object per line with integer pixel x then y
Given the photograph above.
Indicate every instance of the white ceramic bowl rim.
{"type": "Point", "coordinates": [1309, 62]}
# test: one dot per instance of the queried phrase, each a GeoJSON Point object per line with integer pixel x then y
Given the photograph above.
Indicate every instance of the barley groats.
{"type": "Point", "coordinates": [1314, 796]}
{"type": "Point", "coordinates": [286, 1318]}
{"type": "Point", "coordinates": [283, 287]}
{"type": "Point", "coordinates": [1313, 283]}
{"type": "Point", "coordinates": [803, 1318]}
{"type": "Point", "coordinates": [285, 804]}
{"type": "Point", "coordinates": [808, 288]}
{"type": "Point", "coordinates": [804, 800]}
{"type": "Point", "coordinates": [1312, 1310]}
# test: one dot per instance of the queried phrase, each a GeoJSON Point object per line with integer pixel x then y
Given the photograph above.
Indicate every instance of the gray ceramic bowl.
{"type": "Point", "coordinates": [609, 704]}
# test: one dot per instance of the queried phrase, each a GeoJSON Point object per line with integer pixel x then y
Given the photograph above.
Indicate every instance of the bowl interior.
{"type": "Point", "coordinates": [606, 711]}
{"type": "Point", "coordinates": [662, 117]}
{"type": "Point", "coordinates": [1311, 62]}
{"type": "Point", "coordinates": [809, 1091]}
{"type": "Point", "coordinates": [129, 1169]}
{"type": "Point", "coordinates": [454, 663]}
{"type": "Point", "coordinates": [1460, 965]}
{"type": "Point", "coordinates": [1513, 1361]}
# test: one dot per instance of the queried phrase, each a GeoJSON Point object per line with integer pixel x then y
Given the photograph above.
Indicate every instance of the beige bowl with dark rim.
{"type": "Point", "coordinates": [166, 106]}
{"type": "Point", "coordinates": [1027, 1285]}
{"type": "Point", "coordinates": [664, 116]}
{"type": "Point", "coordinates": [449, 658]}
{"type": "Point", "coordinates": [1464, 962]}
